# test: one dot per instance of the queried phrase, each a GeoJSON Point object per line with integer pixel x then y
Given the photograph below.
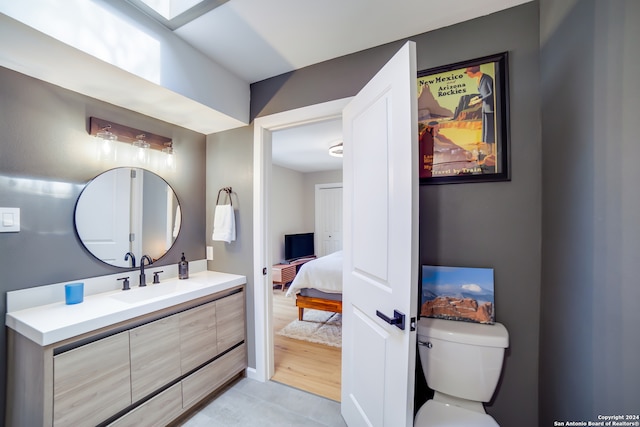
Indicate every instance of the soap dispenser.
{"type": "Point", "coordinates": [183, 268]}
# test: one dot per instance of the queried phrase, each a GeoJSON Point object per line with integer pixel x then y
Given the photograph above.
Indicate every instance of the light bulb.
{"type": "Point", "coordinates": [141, 150]}
{"type": "Point", "coordinates": [170, 157]}
{"type": "Point", "coordinates": [106, 148]}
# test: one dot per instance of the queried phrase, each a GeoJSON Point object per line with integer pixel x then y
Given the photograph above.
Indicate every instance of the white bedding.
{"type": "Point", "coordinates": [324, 274]}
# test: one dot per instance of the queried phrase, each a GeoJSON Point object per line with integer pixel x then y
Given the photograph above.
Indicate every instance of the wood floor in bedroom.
{"type": "Point", "coordinates": [311, 367]}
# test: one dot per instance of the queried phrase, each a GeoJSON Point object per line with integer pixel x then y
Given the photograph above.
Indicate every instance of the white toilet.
{"type": "Point", "coordinates": [461, 362]}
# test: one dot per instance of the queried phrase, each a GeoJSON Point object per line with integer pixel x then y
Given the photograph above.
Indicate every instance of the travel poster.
{"type": "Point", "coordinates": [461, 123]}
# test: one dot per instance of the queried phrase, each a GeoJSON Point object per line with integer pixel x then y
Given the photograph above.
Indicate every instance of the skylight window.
{"type": "Point", "coordinates": [175, 13]}
{"type": "Point", "coordinates": [169, 9]}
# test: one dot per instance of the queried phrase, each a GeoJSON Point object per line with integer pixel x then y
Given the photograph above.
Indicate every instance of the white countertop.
{"type": "Point", "coordinates": [51, 323]}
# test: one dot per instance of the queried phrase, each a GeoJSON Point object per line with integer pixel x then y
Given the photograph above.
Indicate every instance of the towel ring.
{"type": "Point", "coordinates": [227, 190]}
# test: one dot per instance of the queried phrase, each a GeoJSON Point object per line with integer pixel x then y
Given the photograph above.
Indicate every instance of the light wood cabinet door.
{"type": "Point", "coordinates": [92, 382]}
{"type": "Point", "coordinates": [230, 321]}
{"type": "Point", "coordinates": [158, 411]}
{"type": "Point", "coordinates": [155, 359]}
{"type": "Point", "coordinates": [198, 342]}
{"type": "Point", "coordinates": [212, 376]}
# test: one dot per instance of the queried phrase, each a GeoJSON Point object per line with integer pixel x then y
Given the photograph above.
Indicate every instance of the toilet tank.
{"type": "Point", "coordinates": [462, 359]}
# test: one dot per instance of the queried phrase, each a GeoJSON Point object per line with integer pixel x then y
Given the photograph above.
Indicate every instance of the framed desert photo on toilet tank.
{"type": "Point", "coordinates": [463, 122]}
{"type": "Point", "coordinates": [457, 293]}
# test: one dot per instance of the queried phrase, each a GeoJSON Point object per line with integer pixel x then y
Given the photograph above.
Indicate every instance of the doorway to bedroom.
{"type": "Point", "coordinates": [306, 197]}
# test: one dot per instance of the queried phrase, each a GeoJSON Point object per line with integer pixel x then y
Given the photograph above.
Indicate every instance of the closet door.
{"type": "Point", "coordinates": [328, 218]}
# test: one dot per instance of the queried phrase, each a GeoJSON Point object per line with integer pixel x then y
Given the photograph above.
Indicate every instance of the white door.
{"type": "Point", "coordinates": [380, 179]}
{"type": "Point", "coordinates": [328, 218]}
{"type": "Point", "coordinates": [109, 206]}
{"type": "Point", "coordinates": [136, 225]}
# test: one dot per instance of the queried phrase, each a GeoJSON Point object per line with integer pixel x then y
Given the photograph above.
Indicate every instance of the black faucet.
{"type": "Point", "coordinates": [149, 262]}
{"type": "Point", "coordinates": [133, 259]}
{"type": "Point", "coordinates": [156, 276]}
{"type": "Point", "coordinates": [125, 283]}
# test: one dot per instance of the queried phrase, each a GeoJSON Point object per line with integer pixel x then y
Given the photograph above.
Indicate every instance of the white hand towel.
{"type": "Point", "coordinates": [224, 224]}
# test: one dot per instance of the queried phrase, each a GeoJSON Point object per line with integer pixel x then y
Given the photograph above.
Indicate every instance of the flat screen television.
{"type": "Point", "coordinates": [298, 246]}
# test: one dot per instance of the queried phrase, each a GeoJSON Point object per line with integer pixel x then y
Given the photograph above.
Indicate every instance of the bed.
{"type": "Point", "coordinates": [318, 285]}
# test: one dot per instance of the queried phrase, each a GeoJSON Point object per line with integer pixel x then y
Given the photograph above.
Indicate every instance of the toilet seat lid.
{"type": "Point", "coordinates": [437, 414]}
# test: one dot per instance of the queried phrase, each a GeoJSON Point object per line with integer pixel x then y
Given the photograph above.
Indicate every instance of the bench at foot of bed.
{"type": "Point", "coordinates": [303, 302]}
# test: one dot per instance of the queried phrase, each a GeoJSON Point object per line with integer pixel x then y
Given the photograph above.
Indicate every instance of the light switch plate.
{"type": "Point", "coordinates": [9, 220]}
{"type": "Point", "coordinates": [210, 253]}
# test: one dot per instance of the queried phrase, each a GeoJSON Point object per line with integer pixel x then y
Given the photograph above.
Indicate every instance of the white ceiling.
{"type": "Point", "coordinates": [258, 39]}
{"type": "Point", "coordinates": [305, 148]}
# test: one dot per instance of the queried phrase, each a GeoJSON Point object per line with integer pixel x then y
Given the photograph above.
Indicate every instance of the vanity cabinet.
{"type": "Point", "coordinates": [158, 411]}
{"type": "Point", "coordinates": [145, 371]}
{"type": "Point", "coordinates": [198, 335]}
{"type": "Point", "coordinates": [96, 372]}
{"type": "Point", "coordinates": [212, 376]}
{"type": "Point", "coordinates": [154, 359]}
{"type": "Point", "coordinates": [230, 331]}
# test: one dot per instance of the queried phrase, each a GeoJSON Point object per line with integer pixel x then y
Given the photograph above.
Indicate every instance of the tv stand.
{"type": "Point", "coordinates": [300, 261]}
{"type": "Point", "coordinates": [285, 273]}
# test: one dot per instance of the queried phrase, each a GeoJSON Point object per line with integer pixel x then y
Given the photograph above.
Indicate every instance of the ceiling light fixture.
{"type": "Point", "coordinates": [336, 150]}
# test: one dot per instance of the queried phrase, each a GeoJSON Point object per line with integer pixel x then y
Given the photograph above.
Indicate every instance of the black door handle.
{"type": "Point", "coordinates": [398, 318]}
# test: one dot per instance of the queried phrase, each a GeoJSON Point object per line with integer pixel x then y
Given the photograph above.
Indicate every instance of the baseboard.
{"type": "Point", "coordinates": [253, 374]}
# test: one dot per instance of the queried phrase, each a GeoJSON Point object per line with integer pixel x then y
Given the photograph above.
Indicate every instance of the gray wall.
{"type": "Point", "coordinates": [287, 208]}
{"type": "Point", "coordinates": [229, 161]}
{"type": "Point", "coordinates": [498, 224]}
{"type": "Point", "coordinates": [44, 145]}
{"type": "Point", "coordinates": [589, 346]}
{"type": "Point", "coordinates": [293, 203]}
{"type": "Point", "coordinates": [484, 224]}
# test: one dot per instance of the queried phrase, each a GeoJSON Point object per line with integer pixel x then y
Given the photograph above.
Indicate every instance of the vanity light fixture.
{"type": "Point", "coordinates": [143, 142]}
{"type": "Point", "coordinates": [336, 150]}
{"type": "Point", "coordinates": [141, 149]}
{"type": "Point", "coordinates": [169, 155]}
{"type": "Point", "coordinates": [106, 148]}
{"type": "Point", "coordinates": [106, 134]}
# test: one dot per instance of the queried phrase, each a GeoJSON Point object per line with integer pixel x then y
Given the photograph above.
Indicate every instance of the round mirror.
{"type": "Point", "coordinates": [125, 213]}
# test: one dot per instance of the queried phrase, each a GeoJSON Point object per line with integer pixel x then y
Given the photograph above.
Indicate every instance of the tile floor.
{"type": "Point", "coordinates": [250, 403]}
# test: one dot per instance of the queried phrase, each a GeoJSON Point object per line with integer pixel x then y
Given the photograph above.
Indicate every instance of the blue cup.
{"type": "Point", "coordinates": [74, 293]}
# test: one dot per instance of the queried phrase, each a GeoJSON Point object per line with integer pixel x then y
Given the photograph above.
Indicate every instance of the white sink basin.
{"type": "Point", "coordinates": [137, 294]}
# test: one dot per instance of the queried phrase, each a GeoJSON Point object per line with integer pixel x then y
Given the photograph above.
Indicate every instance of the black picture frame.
{"type": "Point", "coordinates": [463, 122]}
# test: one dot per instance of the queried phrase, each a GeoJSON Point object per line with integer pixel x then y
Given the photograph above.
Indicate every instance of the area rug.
{"type": "Point", "coordinates": [322, 327]}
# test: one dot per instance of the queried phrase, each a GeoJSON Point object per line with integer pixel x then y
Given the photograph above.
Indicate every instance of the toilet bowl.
{"type": "Point", "coordinates": [461, 362]}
